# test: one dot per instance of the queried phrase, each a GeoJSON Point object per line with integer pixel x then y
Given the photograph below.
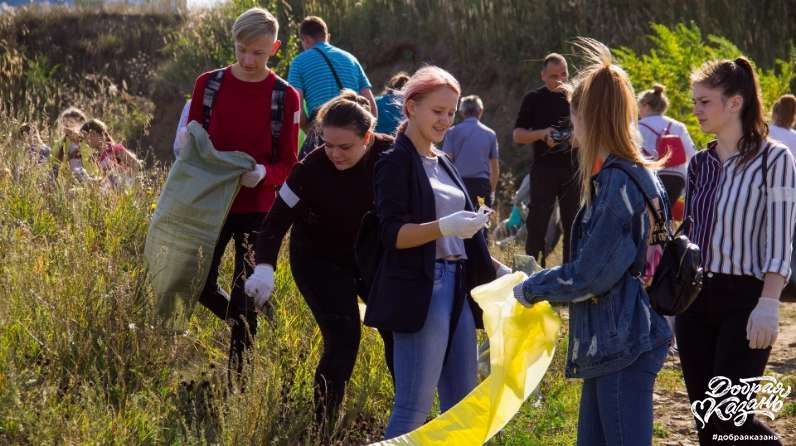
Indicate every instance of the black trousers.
{"type": "Point", "coordinates": [547, 184]}
{"type": "Point", "coordinates": [236, 308]}
{"type": "Point", "coordinates": [479, 187]}
{"type": "Point", "coordinates": [711, 337]}
{"type": "Point", "coordinates": [330, 289]}
{"type": "Point", "coordinates": [674, 185]}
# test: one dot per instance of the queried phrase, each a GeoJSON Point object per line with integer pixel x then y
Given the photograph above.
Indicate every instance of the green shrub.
{"type": "Point", "coordinates": [676, 51]}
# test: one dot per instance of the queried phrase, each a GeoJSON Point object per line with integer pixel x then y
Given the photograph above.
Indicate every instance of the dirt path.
{"type": "Point", "coordinates": [672, 410]}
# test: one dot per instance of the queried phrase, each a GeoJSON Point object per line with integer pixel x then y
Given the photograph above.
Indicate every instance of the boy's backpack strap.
{"type": "Point", "coordinates": [212, 86]}
{"type": "Point", "coordinates": [277, 115]}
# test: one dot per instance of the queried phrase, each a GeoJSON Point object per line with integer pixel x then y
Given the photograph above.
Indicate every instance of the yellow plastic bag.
{"type": "Point", "coordinates": [522, 342]}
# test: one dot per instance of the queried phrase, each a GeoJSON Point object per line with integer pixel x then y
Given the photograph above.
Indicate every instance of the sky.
{"type": "Point", "coordinates": [202, 3]}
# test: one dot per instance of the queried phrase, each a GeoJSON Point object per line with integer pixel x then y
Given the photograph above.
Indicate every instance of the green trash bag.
{"type": "Point", "coordinates": [185, 227]}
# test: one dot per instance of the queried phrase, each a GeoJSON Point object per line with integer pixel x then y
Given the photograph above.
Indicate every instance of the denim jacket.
{"type": "Point", "coordinates": [611, 322]}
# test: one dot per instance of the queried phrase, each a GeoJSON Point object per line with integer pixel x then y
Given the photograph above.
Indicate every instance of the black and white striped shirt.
{"type": "Point", "coordinates": [742, 227]}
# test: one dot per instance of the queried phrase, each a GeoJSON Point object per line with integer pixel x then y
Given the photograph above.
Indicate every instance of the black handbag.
{"type": "Point", "coordinates": [678, 278]}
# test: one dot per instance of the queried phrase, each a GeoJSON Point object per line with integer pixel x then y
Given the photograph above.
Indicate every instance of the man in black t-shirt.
{"type": "Point", "coordinates": [543, 120]}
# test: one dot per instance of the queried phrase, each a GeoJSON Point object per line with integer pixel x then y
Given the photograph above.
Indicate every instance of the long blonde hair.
{"type": "Point", "coordinates": [604, 101]}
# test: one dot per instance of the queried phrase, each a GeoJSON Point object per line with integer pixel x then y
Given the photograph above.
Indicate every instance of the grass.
{"type": "Point", "coordinates": [83, 357]}
{"type": "Point", "coordinates": [549, 418]}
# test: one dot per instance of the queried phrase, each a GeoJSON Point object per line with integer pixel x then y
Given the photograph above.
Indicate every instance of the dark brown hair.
{"type": "Point", "coordinates": [348, 110]}
{"type": "Point", "coordinates": [784, 111]}
{"type": "Point", "coordinates": [313, 27]}
{"type": "Point", "coordinates": [737, 77]}
{"type": "Point", "coordinates": [397, 81]}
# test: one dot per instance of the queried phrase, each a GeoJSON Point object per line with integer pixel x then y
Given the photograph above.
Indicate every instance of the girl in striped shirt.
{"type": "Point", "coordinates": [740, 195]}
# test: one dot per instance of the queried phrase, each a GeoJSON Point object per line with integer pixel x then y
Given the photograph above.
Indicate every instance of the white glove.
{"type": "Point", "coordinates": [253, 177]}
{"type": "Point", "coordinates": [763, 325]}
{"type": "Point", "coordinates": [462, 224]}
{"type": "Point", "coordinates": [182, 138]}
{"type": "Point", "coordinates": [260, 284]}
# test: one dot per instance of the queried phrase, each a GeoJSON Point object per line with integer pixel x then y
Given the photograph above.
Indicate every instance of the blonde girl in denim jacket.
{"type": "Point", "coordinates": [617, 343]}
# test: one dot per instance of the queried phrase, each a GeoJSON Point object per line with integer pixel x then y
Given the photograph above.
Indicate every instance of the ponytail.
{"type": "Point", "coordinates": [602, 98]}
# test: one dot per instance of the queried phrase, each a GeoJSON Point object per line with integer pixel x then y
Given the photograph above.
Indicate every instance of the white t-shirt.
{"type": "Point", "coordinates": [183, 122]}
{"type": "Point", "coordinates": [783, 135]}
{"type": "Point", "coordinates": [659, 124]}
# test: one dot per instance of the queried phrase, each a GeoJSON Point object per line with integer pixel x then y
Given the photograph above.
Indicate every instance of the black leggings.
{"type": "Point", "coordinates": [330, 289]}
{"type": "Point", "coordinates": [237, 309]}
{"type": "Point", "coordinates": [711, 337]}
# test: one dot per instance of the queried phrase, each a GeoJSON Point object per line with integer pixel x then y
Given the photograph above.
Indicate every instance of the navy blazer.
{"type": "Point", "coordinates": [401, 291]}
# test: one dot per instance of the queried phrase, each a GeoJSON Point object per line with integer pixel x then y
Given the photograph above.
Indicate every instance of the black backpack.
{"type": "Point", "coordinates": [678, 279]}
{"type": "Point", "coordinates": [212, 87]}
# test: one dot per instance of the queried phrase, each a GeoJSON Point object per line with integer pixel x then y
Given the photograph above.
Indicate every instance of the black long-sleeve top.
{"type": "Point", "coordinates": [324, 205]}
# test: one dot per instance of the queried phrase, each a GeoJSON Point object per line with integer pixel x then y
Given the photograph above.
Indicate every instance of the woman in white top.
{"type": "Point", "coordinates": [783, 115]}
{"type": "Point", "coordinates": [652, 105]}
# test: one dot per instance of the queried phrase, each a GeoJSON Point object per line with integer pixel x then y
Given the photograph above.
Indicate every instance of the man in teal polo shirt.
{"type": "Point", "coordinates": [320, 72]}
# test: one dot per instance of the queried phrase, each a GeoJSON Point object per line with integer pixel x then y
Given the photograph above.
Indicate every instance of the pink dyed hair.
{"type": "Point", "coordinates": [423, 82]}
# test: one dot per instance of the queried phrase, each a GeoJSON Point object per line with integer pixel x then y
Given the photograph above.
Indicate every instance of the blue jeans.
{"type": "Point", "coordinates": [420, 363]}
{"type": "Point", "coordinates": [616, 409]}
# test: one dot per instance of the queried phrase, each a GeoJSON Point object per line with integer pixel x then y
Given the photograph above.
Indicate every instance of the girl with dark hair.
{"type": "Point", "coordinates": [617, 343]}
{"type": "Point", "coordinates": [324, 200]}
{"type": "Point", "coordinates": [741, 196]}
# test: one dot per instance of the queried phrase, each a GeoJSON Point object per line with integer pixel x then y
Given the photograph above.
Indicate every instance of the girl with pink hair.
{"type": "Point", "coordinates": [434, 253]}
